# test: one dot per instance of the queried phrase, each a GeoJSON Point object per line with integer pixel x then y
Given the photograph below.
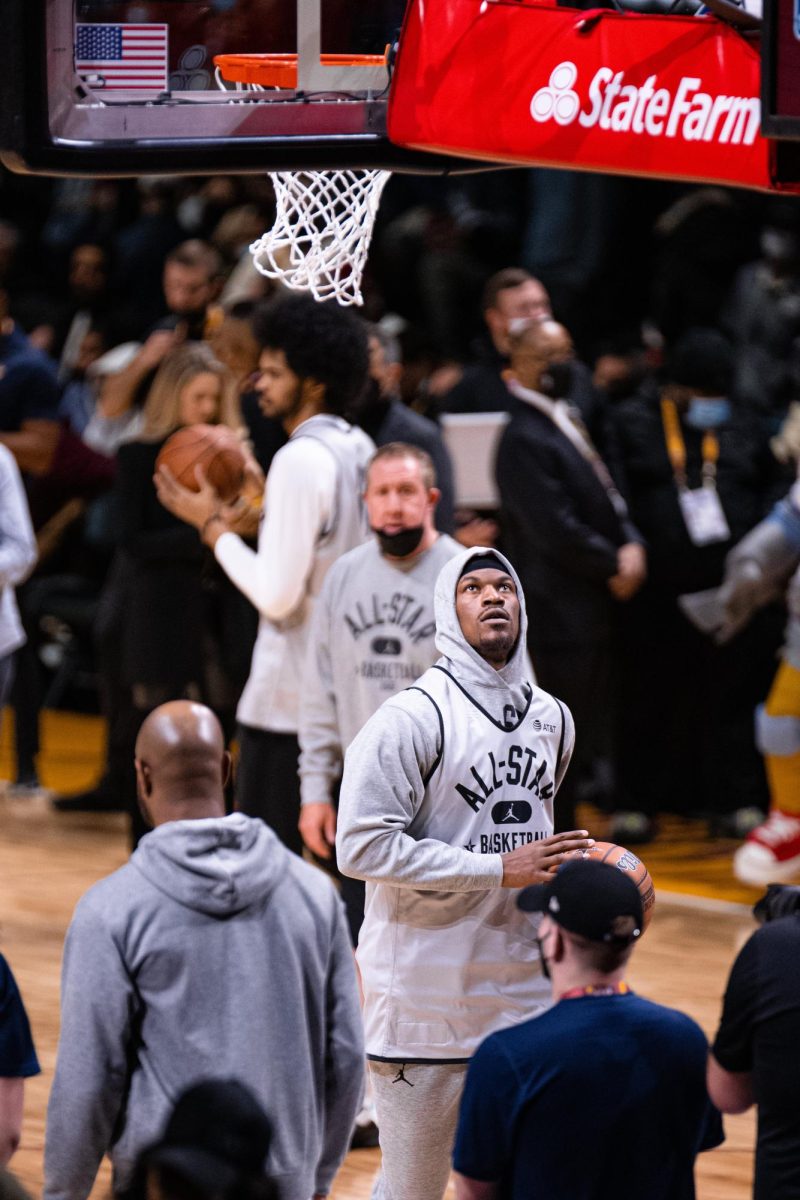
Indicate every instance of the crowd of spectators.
{"type": "Point", "coordinates": [672, 299]}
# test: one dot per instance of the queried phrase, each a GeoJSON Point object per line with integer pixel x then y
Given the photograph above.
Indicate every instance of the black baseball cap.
{"type": "Point", "coordinates": [589, 898]}
{"type": "Point", "coordinates": [217, 1134]}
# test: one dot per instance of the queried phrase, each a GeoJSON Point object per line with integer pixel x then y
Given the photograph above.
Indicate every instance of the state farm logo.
{"type": "Point", "coordinates": [688, 113]}
{"type": "Point", "coordinates": [558, 100]}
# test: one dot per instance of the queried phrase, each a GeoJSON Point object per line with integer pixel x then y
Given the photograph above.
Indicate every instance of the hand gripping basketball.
{"type": "Point", "coordinates": [536, 861]}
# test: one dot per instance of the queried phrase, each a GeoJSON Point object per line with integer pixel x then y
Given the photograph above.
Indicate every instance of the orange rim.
{"type": "Point", "coordinates": [280, 70]}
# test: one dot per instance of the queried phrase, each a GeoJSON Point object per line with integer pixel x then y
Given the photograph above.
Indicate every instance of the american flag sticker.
{"type": "Point", "coordinates": [130, 57]}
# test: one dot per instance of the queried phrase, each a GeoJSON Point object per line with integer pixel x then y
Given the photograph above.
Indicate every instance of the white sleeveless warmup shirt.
{"type": "Point", "coordinates": [443, 970]}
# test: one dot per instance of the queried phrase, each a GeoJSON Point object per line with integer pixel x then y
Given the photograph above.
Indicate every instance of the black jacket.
{"type": "Point", "coordinates": [675, 564]}
{"type": "Point", "coordinates": [561, 530]}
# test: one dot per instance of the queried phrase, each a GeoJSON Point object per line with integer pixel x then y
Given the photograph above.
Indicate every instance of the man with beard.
{"type": "Point", "coordinates": [313, 364]}
{"type": "Point", "coordinates": [447, 807]}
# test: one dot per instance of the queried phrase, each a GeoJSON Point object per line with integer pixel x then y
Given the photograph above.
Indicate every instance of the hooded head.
{"type": "Point", "coordinates": [468, 630]}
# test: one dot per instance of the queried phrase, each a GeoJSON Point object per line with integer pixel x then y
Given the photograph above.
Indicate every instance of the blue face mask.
{"type": "Point", "coordinates": [708, 412]}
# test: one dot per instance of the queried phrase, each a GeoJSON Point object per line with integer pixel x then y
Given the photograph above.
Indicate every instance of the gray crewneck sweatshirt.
{"type": "Point", "coordinates": [372, 634]}
{"type": "Point", "coordinates": [214, 952]}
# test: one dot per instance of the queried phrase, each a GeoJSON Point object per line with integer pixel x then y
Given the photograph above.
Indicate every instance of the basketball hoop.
{"type": "Point", "coordinates": [260, 71]}
{"type": "Point", "coordinates": [322, 231]}
{"type": "Point", "coordinates": [323, 219]}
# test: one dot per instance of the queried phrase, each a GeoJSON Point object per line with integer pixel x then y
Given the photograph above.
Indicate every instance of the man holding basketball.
{"type": "Point", "coordinates": [446, 806]}
{"type": "Point", "coordinates": [313, 364]}
{"type": "Point", "coordinates": [603, 1095]}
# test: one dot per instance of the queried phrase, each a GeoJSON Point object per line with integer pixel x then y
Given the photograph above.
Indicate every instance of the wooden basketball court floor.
{"type": "Point", "coordinates": [47, 860]}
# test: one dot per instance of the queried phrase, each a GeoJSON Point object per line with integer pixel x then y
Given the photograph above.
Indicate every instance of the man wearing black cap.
{"type": "Point", "coordinates": [214, 1144]}
{"type": "Point", "coordinates": [446, 807]}
{"type": "Point", "coordinates": [603, 1095]}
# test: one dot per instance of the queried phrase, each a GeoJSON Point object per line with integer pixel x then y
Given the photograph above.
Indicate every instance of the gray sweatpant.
{"type": "Point", "coordinates": [417, 1108]}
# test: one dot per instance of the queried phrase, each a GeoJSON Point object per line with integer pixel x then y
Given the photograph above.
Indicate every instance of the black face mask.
{"type": "Point", "coordinates": [556, 379]}
{"type": "Point", "coordinates": [402, 543]}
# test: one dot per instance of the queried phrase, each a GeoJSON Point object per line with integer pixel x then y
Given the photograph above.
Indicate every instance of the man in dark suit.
{"type": "Point", "coordinates": [567, 529]}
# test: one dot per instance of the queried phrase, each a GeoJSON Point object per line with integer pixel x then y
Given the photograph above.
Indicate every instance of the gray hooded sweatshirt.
{"type": "Point", "coordinates": [214, 952]}
{"type": "Point", "coordinates": [441, 781]}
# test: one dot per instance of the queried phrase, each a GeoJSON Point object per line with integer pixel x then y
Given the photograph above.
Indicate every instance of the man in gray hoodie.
{"type": "Point", "coordinates": [214, 953]}
{"type": "Point", "coordinates": [446, 807]}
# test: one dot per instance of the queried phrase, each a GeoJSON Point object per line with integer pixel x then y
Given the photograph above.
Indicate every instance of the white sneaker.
{"type": "Point", "coordinates": [771, 853]}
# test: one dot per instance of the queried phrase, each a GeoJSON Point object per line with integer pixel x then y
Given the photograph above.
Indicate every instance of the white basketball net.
{"type": "Point", "coordinates": [323, 226]}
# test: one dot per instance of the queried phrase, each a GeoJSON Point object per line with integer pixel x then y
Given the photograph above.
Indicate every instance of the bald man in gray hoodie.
{"type": "Point", "coordinates": [446, 808]}
{"type": "Point", "coordinates": [214, 953]}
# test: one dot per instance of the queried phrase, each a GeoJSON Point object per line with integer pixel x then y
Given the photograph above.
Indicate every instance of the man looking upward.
{"type": "Point", "coordinates": [446, 806]}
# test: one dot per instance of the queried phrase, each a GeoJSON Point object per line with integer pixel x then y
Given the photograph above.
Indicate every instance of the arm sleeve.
{"type": "Point", "coordinates": [385, 770]}
{"type": "Point", "coordinates": [566, 538]}
{"type": "Point", "coordinates": [344, 1077]}
{"type": "Point", "coordinates": [97, 1009]}
{"type": "Point", "coordinates": [301, 488]}
{"type": "Point", "coordinates": [318, 732]}
{"type": "Point", "coordinates": [484, 1136]}
{"type": "Point", "coordinates": [17, 542]}
{"type": "Point", "coordinates": [17, 1054]}
{"type": "Point", "coordinates": [733, 1045]}
{"type": "Point", "coordinates": [773, 545]}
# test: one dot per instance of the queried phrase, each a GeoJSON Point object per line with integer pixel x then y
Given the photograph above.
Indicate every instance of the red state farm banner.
{"type": "Point", "coordinates": [518, 82]}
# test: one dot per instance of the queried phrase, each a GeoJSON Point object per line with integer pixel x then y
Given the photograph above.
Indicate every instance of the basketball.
{"type": "Point", "coordinates": [215, 448]}
{"type": "Point", "coordinates": [626, 860]}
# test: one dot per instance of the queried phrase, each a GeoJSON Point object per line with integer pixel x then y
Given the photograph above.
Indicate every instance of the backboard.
{"type": "Point", "coordinates": [123, 87]}
{"type": "Point", "coordinates": [647, 93]}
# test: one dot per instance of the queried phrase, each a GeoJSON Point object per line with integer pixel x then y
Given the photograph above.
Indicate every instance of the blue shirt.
{"type": "Point", "coordinates": [17, 1053]}
{"type": "Point", "coordinates": [599, 1098]}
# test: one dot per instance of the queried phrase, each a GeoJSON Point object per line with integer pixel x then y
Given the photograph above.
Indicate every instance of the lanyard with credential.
{"type": "Point", "coordinates": [676, 448]}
